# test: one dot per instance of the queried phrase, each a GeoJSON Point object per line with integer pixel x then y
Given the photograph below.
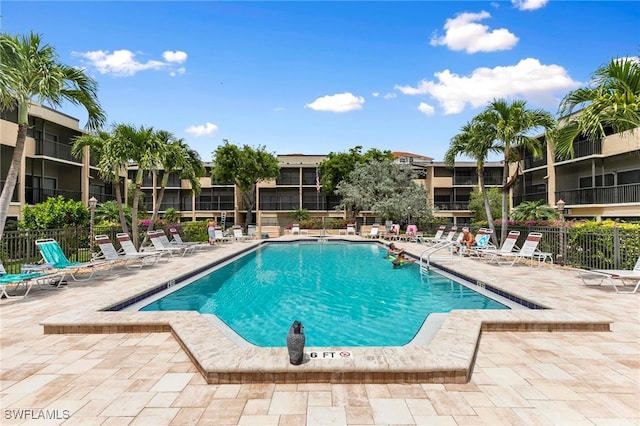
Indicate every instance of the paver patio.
{"type": "Point", "coordinates": [558, 377]}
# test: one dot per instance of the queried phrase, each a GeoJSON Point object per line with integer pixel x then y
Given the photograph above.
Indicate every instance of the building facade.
{"type": "Point", "coordinates": [602, 181]}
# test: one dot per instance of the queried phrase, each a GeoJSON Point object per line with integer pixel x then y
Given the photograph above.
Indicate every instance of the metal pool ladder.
{"type": "Point", "coordinates": [428, 254]}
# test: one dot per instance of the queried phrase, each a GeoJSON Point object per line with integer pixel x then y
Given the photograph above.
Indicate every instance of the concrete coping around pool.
{"type": "Point", "coordinates": [448, 358]}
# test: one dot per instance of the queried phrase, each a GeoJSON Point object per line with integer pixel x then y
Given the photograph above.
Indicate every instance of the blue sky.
{"type": "Point", "coordinates": [315, 77]}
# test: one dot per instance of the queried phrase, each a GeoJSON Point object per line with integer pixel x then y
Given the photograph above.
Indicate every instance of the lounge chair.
{"type": "Point", "coordinates": [508, 246]}
{"type": "Point", "coordinates": [238, 234]}
{"type": "Point", "coordinates": [52, 253]}
{"type": "Point", "coordinates": [438, 237]}
{"type": "Point", "coordinates": [374, 232]}
{"type": "Point", "coordinates": [28, 280]}
{"type": "Point", "coordinates": [616, 277]}
{"type": "Point", "coordinates": [529, 251]}
{"type": "Point", "coordinates": [130, 250]}
{"type": "Point", "coordinates": [108, 252]}
{"type": "Point", "coordinates": [161, 243]}
{"type": "Point", "coordinates": [295, 229]}
{"type": "Point", "coordinates": [351, 229]}
{"type": "Point", "coordinates": [220, 235]}
{"type": "Point", "coordinates": [482, 242]}
{"type": "Point", "coordinates": [177, 240]}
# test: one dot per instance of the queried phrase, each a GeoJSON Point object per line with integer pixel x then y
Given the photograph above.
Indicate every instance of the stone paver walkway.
{"type": "Point", "coordinates": [533, 378]}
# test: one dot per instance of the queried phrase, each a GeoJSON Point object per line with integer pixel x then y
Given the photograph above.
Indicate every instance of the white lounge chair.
{"type": "Point", "coordinates": [295, 229]}
{"type": "Point", "coordinates": [130, 250]}
{"type": "Point", "coordinates": [616, 277]}
{"type": "Point", "coordinates": [108, 252]}
{"type": "Point", "coordinates": [238, 234]}
{"type": "Point", "coordinates": [529, 251]}
{"type": "Point", "coordinates": [52, 253]}
{"type": "Point", "coordinates": [161, 243]}
{"type": "Point", "coordinates": [508, 246]}
{"type": "Point", "coordinates": [177, 240]}
{"type": "Point", "coordinates": [374, 232]}
{"type": "Point", "coordinates": [438, 237]}
{"type": "Point", "coordinates": [220, 235]}
{"type": "Point", "coordinates": [351, 229]}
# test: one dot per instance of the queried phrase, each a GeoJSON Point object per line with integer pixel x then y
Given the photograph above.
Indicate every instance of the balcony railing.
{"type": "Point", "coordinates": [465, 180]}
{"type": "Point", "coordinates": [530, 196]}
{"type": "Point", "coordinates": [530, 162]}
{"type": "Point", "coordinates": [451, 206]}
{"type": "Point", "coordinates": [602, 195]}
{"type": "Point", "coordinates": [279, 205]}
{"type": "Point", "coordinates": [38, 195]}
{"type": "Point", "coordinates": [217, 204]}
{"type": "Point", "coordinates": [55, 150]}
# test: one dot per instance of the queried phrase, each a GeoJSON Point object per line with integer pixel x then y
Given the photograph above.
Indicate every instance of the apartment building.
{"type": "Point", "coordinates": [449, 188]}
{"type": "Point", "coordinates": [48, 167]}
{"type": "Point", "coordinates": [601, 181]}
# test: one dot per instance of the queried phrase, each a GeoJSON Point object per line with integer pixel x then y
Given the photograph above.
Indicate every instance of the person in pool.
{"type": "Point", "coordinates": [393, 250]}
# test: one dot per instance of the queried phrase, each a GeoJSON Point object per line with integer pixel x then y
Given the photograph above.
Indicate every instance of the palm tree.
{"type": "Point", "coordinates": [103, 148]}
{"type": "Point", "coordinates": [29, 70]}
{"type": "Point", "coordinates": [474, 141]}
{"type": "Point", "coordinates": [178, 158]}
{"type": "Point", "coordinates": [534, 210]}
{"type": "Point", "coordinates": [612, 102]}
{"type": "Point", "coordinates": [143, 147]}
{"type": "Point", "coordinates": [509, 125]}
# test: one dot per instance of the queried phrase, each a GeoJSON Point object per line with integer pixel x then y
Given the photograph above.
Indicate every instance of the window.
{"type": "Point", "coordinates": [631, 176]}
{"type": "Point", "coordinates": [289, 177]}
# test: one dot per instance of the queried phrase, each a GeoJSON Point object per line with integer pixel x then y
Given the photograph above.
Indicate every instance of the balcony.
{"type": "Point", "coordinates": [279, 204]}
{"type": "Point", "coordinates": [216, 204]}
{"type": "Point", "coordinates": [38, 195]}
{"type": "Point", "coordinates": [451, 206]}
{"type": "Point", "coordinates": [601, 195]}
{"type": "Point", "coordinates": [465, 180]}
{"type": "Point", "coordinates": [57, 150]}
{"type": "Point", "coordinates": [530, 196]}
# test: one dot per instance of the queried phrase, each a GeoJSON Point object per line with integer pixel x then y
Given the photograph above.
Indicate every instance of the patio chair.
{"type": "Point", "coordinates": [238, 234]}
{"type": "Point", "coordinates": [52, 253]}
{"type": "Point", "coordinates": [508, 246]}
{"type": "Point", "coordinates": [351, 229]}
{"type": "Point", "coordinates": [528, 251]}
{"type": "Point", "coordinates": [374, 232]}
{"type": "Point", "coordinates": [177, 240]}
{"type": "Point", "coordinates": [129, 249]}
{"type": "Point", "coordinates": [438, 237]}
{"type": "Point", "coordinates": [596, 277]}
{"type": "Point", "coordinates": [28, 280]}
{"type": "Point", "coordinates": [295, 229]}
{"type": "Point", "coordinates": [161, 243]}
{"type": "Point", "coordinates": [482, 242]}
{"type": "Point", "coordinates": [108, 252]}
{"type": "Point", "coordinates": [220, 235]}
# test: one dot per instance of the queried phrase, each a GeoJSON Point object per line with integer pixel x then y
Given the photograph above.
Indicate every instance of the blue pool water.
{"type": "Point", "coordinates": [344, 295]}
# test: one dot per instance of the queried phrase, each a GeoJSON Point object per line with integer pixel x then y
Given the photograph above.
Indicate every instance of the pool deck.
{"type": "Point", "coordinates": [576, 362]}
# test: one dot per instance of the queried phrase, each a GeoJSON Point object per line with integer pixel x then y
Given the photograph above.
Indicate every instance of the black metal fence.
{"type": "Point", "coordinates": [580, 247]}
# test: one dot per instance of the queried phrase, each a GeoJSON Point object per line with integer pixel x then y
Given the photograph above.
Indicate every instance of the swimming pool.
{"type": "Point", "coordinates": [345, 294]}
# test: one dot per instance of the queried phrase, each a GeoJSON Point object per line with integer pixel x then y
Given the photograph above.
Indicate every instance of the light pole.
{"type": "Point", "coordinates": [560, 206]}
{"type": "Point", "coordinates": [92, 210]}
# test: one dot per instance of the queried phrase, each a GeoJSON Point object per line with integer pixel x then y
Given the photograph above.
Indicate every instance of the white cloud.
{"type": "Point", "coordinates": [541, 84]}
{"type": "Point", "coordinates": [426, 109]}
{"type": "Point", "coordinates": [375, 94]}
{"type": "Point", "coordinates": [464, 33]}
{"type": "Point", "coordinates": [390, 96]}
{"type": "Point", "coordinates": [124, 63]}
{"type": "Point", "coordinates": [177, 57]}
{"type": "Point", "coordinates": [209, 129]}
{"type": "Point", "coordinates": [529, 4]}
{"type": "Point", "coordinates": [340, 102]}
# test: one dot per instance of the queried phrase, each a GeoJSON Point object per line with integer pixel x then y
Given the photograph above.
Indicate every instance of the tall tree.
{"type": "Point", "coordinates": [337, 166]}
{"type": "Point", "coordinates": [180, 159]}
{"type": "Point", "coordinates": [385, 188]}
{"type": "Point", "coordinates": [245, 167]}
{"type": "Point", "coordinates": [111, 161]}
{"type": "Point", "coordinates": [146, 149]}
{"type": "Point", "coordinates": [29, 70]}
{"type": "Point", "coordinates": [510, 125]}
{"type": "Point", "coordinates": [611, 101]}
{"type": "Point", "coordinates": [474, 141]}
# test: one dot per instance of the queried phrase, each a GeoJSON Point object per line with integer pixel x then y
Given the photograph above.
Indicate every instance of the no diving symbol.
{"type": "Point", "coordinates": [330, 355]}
{"type": "Point", "coordinates": [345, 354]}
